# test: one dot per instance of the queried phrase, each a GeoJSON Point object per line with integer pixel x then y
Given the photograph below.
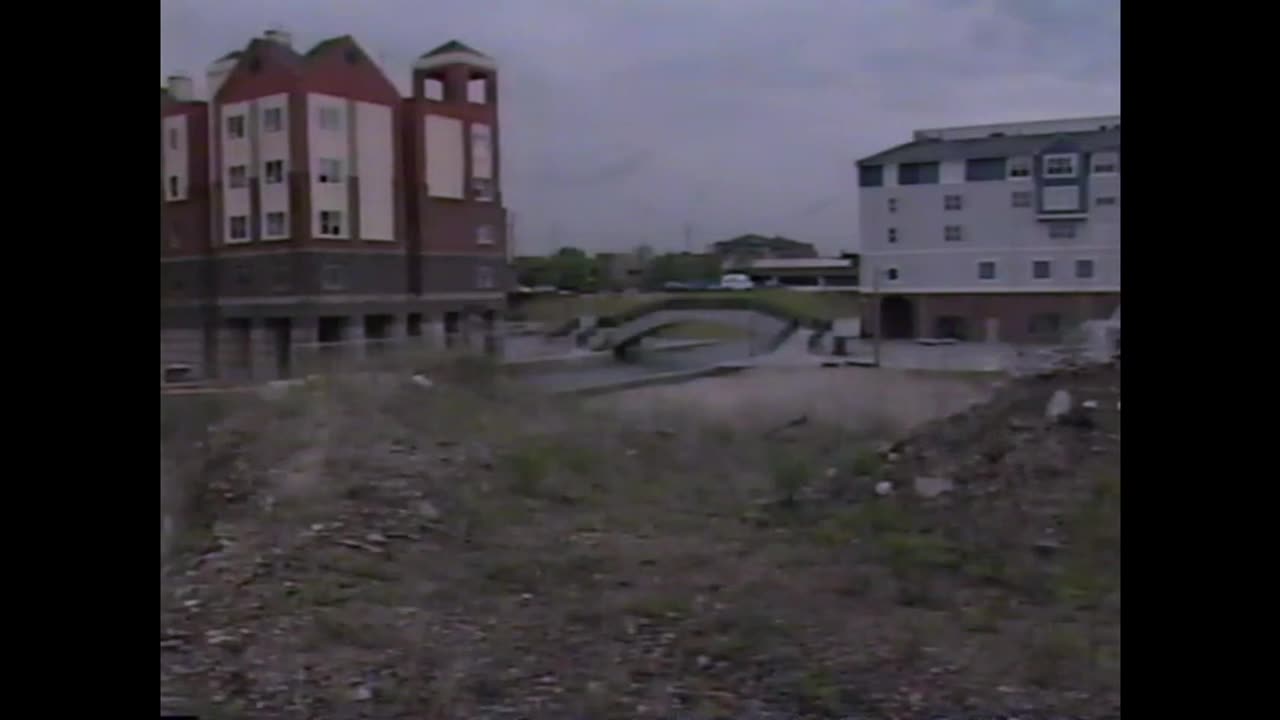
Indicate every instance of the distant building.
{"type": "Point", "coordinates": [306, 202]}
{"type": "Point", "coordinates": [745, 248]}
{"type": "Point", "coordinates": [996, 232]}
{"type": "Point", "coordinates": [619, 271]}
{"type": "Point", "coordinates": [816, 274]}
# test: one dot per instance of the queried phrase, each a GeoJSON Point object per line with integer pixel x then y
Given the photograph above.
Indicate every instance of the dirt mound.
{"type": "Point", "coordinates": [397, 552]}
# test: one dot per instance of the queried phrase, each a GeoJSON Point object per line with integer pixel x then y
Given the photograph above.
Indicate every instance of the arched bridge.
{"type": "Point", "coordinates": [766, 324]}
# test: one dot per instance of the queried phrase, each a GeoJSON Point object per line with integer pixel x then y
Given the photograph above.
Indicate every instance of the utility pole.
{"type": "Point", "coordinates": [688, 238]}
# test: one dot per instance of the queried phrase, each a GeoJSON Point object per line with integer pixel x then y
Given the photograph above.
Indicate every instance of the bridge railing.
{"type": "Point", "coordinates": [736, 301]}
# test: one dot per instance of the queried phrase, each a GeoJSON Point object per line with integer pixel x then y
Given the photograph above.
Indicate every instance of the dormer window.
{"type": "Point", "coordinates": [1060, 165]}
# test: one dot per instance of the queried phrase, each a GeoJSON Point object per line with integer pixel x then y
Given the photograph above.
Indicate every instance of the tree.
{"type": "Point", "coordinates": [573, 270]}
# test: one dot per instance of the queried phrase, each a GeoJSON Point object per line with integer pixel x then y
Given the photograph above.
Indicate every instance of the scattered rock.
{"type": "Point", "coordinates": [1089, 404]}
{"type": "Point", "coordinates": [422, 381]}
{"type": "Point", "coordinates": [362, 693]}
{"type": "Point", "coordinates": [428, 510]}
{"type": "Point", "coordinates": [883, 488]}
{"type": "Point", "coordinates": [1059, 405]}
{"type": "Point", "coordinates": [374, 537]}
{"type": "Point", "coordinates": [932, 487]}
{"type": "Point", "coordinates": [1021, 425]}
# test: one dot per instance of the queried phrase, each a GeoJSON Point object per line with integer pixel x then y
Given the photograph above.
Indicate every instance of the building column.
{"type": "Point", "coordinates": [262, 343]}
{"type": "Point", "coordinates": [355, 347]}
{"type": "Point", "coordinates": [304, 334]}
{"type": "Point", "coordinates": [923, 330]}
{"type": "Point", "coordinates": [433, 332]}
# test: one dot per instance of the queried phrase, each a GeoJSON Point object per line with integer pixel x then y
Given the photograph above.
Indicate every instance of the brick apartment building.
{"type": "Point", "coordinates": [995, 232]}
{"type": "Point", "coordinates": [306, 203]}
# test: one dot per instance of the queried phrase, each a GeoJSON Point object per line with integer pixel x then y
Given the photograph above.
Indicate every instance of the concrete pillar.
{"type": "Point", "coordinates": [433, 333]}
{"type": "Point", "coordinates": [304, 333]}
{"type": "Point", "coordinates": [263, 349]}
{"type": "Point", "coordinates": [355, 340]}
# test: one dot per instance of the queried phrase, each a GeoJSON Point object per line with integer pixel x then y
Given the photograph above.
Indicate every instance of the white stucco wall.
{"type": "Point", "coordinates": [324, 143]}
{"type": "Point", "coordinates": [273, 146]}
{"type": "Point", "coordinates": [444, 157]}
{"type": "Point", "coordinates": [375, 166]}
{"type": "Point", "coordinates": [177, 153]}
{"type": "Point", "coordinates": [235, 152]}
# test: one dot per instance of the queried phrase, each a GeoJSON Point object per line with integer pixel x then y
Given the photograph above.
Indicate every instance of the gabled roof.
{"type": "Point", "coordinates": [451, 47]}
{"type": "Point", "coordinates": [992, 147]}
{"type": "Point", "coordinates": [332, 42]}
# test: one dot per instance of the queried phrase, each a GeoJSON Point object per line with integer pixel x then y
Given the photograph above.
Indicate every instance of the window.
{"type": "Point", "coordinates": [173, 138]}
{"type": "Point", "coordinates": [1019, 167]}
{"type": "Point", "coordinates": [1060, 166]}
{"type": "Point", "coordinates": [482, 189]}
{"type": "Point", "coordinates": [1042, 324]}
{"type": "Point", "coordinates": [1105, 200]}
{"type": "Point", "coordinates": [891, 274]}
{"type": "Point", "coordinates": [985, 169]}
{"type": "Point", "coordinates": [1105, 163]}
{"type": "Point", "coordinates": [952, 233]}
{"type": "Point", "coordinates": [330, 171]}
{"type": "Point", "coordinates": [275, 224]}
{"type": "Point", "coordinates": [1062, 230]}
{"type": "Point", "coordinates": [235, 127]}
{"type": "Point", "coordinates": [1060, 198]}
{"type": "Point", "coordinates": [918, 173]}
{"type": "Point", "coordinates": [484, 277]}
{"type": "Point", "coordinates": [274, 171]}
{"type": "Point", "coordinates": [1041, 269]}
{"type": "Point", "coordinates": [987, 270]}
{"type": "Point", "coordinates": [1021, 198]}
{"type": "Point", "coordinates": [330, 118]}
{"type": "Point", "coordinates": [331, 223]}
{"type": "Point", "coordinates": [272, 120]}
{"type": "Point", "coordinates": [1084, 269]}
{"type": "Point", "coordinates": [478, 90]}
{"type": "Point", "coordinates": [870, 176]}
{"type": "Point", "coordinates": [237, 177]}
{"type": "Point", "coordinates": [239, 227]}
{"type": "Point", "coordinates": [333, 277]}
{"type": "Point", "coordinates": [952, 202]}
{"type": "Point", "coordinates": [485, 235]}
{"type": "Point", "coordinates": [893, 205]}
{"type": "Point", "coordinates": [893, 235]}
{"type": "Point", "coordinates": [174, 189]}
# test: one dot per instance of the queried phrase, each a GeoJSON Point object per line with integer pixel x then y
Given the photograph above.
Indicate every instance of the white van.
{"type": "Point", "coordinates": [736, 281]}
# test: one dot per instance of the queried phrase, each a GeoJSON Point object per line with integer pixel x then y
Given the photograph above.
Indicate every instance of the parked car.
{"type": "Point", "coordinates": [736, 281]}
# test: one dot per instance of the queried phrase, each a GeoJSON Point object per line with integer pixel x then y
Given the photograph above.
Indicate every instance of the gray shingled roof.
{"type": "Point", "coordinates": [1005, 146]}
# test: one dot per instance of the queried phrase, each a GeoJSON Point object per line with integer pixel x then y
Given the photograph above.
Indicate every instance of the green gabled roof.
{"type": "Point", "coordinates": [453, 46]}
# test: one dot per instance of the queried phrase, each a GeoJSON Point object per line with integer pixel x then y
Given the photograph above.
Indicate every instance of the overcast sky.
{"type": "Point", "coordinates": [624, 120]}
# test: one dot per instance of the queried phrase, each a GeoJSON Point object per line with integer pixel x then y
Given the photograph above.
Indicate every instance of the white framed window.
{"type": "Point", "coordinates": [175, 187]}
{"type": "Point", "coordinates": [1019, 168]}
{"type": "Point", "coordinates": [237, 176]}
{"type": "Point", "coordinates": [275, 225]}
{"type": "Point", "coordinates": [331, 223]}
{"type": "Point", "coordinates": [484, 277]}
{"type": "Point", "coordinates": [329, 171]}
{"type": "Point", "coordinates": [1020, 198]}
{"type": "Point", "coordinates": [986, 269]}
{"type": "Point", "coordinates": [173, 138]}
{"type": "Point", "coordinates": [1105, 163]}
{"type": "Point", "coordinates": [330, 118]}
{"type": "Point", "coordinates": [953, 202]}
{"type": "Point", "coordinates": [1041, 270]}
{"type": "Point", "coordinates": [893, 235]}
{"type": "Point", "coordinates": [1060, 165]}
{"type": "Point", "coordinates": [953, 233]}
{"type": "Point", "coordinates": [891, 274]}
{"type": "Point", "coordinates": [1060, 198]}
{"type": "Point", "coordinates": [272, 120]}
{"type": "Point", "coordinates": [1062, 230]}
{"type": "Point", "coordinates": [1105, 200]}
{"type": "Point", "coordinates": [893, 205]}
{"type": "Point", "coordinates": [486, 235]}
{"type": "Point", "coordinates": [333, 277]}
{"type": "Point", "coordinates": [235, 127]}
{"type": "Point", "coordinates": [273, 172]}
{"type": "Point", "coordinates": [1084, 269]}
{"type": "Point", "coordinates": [238, 227]}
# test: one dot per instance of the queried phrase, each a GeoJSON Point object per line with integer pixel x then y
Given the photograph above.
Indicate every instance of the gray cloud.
{"type": "Point", "coordinates": [623, 120]}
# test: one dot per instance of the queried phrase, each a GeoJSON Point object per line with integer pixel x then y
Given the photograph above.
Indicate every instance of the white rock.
{"type": "Point", "coordinates": [362, 693]}
{"type": "Point", "coordinates": [884, 487]}
{"type": "Point", "coordinates": [830, 473]}
{"type": "Point", "coordinates": [931, 487]}
{"type": "Point", "coordinates": [1089, 404]}
{"type": "Point", "coordinates": [428, 510]}
{"type": "Point", "coordinates": [1117, 406]}
{"type": "Point", "coordinates": [1059, 405]}
{"type": "Point", "coordinates": [422, 381]}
